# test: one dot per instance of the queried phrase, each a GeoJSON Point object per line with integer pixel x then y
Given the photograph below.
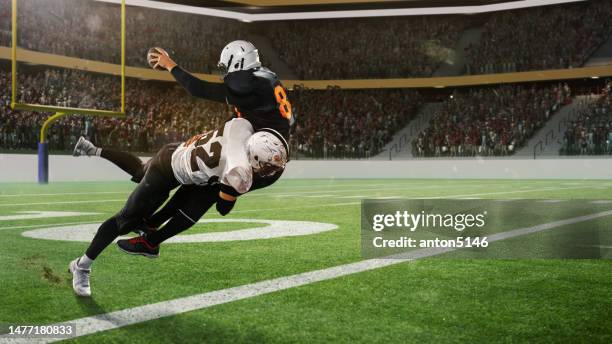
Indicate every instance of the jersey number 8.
{"type": "Point", "coordinates": [283, 103]}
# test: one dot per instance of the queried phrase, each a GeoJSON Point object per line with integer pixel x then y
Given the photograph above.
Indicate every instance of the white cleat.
{"type": "Point", "coordinates": [84, 147]}
{"type": "Point", "coordinates": [80, 279]}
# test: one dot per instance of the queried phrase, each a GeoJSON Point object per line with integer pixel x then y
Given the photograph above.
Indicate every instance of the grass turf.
{"type": "Point", "coordinates": [433, 300]}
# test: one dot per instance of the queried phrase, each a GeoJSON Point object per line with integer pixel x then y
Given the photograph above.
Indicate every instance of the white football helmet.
{"type": "Point", "coordinates": [238, 55]}
{"type": "Point", "coordinates": [267, 152]}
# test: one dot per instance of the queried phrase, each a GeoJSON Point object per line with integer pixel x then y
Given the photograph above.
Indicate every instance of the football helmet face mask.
{"type": "Point", "coordinates": [238, 55]}
{"type": "Point", "coordinates": [267, 153]}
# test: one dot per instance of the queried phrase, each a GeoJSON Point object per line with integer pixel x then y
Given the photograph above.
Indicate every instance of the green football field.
{"type": "Point", "coordinates": [437, 300]}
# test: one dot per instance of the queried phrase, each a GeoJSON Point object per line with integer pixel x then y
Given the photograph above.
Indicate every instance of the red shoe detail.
{"type": "Point", "coordinates": [139, 239]}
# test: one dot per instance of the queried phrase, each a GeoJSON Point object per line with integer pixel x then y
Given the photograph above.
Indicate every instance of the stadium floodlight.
{"type": "Point", "coordinates": [60, 111]}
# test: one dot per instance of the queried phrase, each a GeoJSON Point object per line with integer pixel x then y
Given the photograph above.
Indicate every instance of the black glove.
{"type": "Point", "coordinates": [213, 181]}
{"type": "Point", "coordinates": [224, 206]}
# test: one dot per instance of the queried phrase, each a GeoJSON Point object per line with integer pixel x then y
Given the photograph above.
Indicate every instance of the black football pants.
{"type": "Point", "coordinates": [150, 194]}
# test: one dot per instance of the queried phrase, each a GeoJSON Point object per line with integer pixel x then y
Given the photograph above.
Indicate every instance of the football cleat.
{"type": "Point", "coordinates": [84, 147]}
{"type": "Point", "coordinates": [138, 246]}
{"type": "Point", "coordinates": [80, 279]}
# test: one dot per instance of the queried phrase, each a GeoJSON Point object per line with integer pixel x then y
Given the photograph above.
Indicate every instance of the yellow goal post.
{"type": "Point", "coordinates": [60, 111]}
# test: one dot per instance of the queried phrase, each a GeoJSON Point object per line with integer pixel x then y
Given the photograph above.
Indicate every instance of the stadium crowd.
{"type": "Point", "coordinates": [541, 38]}
{"type": "Point", "coordinates": [590, 133]}
{"type": "Point", "coordinates": [349, 124]}
{"type": "Point", "coordinates": [156, 113]}
{"type": "Point", "coordinates": [91, 30]}
{"type": "Point", "coordinates": [365, 48]}
{"type": "Point", "coordinates": [330, 123]}
{"type": "Point", "coordinates": [545, 37]}
{"type": "Point", "coordinates": [489, 122]}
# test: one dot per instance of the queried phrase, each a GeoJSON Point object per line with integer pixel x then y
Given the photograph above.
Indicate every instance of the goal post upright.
{"type": "Point", "coordinates": [59, 111]}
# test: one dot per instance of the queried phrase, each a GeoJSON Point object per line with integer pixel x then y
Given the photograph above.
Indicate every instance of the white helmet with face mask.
{"type": "Point", "coordinates": [238, 55]}
{"type": "Point", "coordinates": [268, 152]}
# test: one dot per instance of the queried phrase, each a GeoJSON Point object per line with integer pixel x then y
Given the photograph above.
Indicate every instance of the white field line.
{"type": "Point", "coordinates": [295, 208]}
{"type": "Point", "coordinates": [297, 195]}
{"type": "Point", "coordinates": [330, 188]}
{"type": "Point", "coordinates": [287, 189]}
{"type": "Point", "coordinates": [48, 225]}
{"type": "Point", "coordinates": [130, 190]}
{"type": "Point", "coordinates": [34, 214]}
{"type": "Point", "coordinates": [65, 193]}
{"type": "Point", "coordinates": [506, 192]}
{"type": "Point", "coordinates": [135, 315]}
{"type": "Point", "coordinates": [259, 194]}
{"type": "Point", "coordinates": [469, 196]}
{"type": "Point", "coordinates": [65, 202]}
{"type": "Point", "coordinates": [340, 191]}
{"type": "Point", "coordinates": [271, 193]}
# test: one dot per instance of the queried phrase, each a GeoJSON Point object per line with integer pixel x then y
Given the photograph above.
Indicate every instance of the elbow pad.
{"type": "Point", "coordinates": [224, 206]}
{"type": "Point", "coordinates": [239, 178]}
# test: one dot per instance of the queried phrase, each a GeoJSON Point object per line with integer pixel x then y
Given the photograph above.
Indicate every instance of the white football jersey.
{"type": "Point", "coordinates": [220, 153]}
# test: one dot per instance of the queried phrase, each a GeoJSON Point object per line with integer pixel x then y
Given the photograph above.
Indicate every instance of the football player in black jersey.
{"type": "Point", "coordinates": [254, 91]}
{"type": "Point", "coordinates": [258, 98]}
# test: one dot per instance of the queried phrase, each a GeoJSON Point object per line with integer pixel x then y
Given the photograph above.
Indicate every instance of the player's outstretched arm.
{"type": "Point", "coordinates": [158, 58]}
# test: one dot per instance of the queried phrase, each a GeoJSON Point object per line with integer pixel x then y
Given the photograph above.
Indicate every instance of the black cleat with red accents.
{"type": "Point", "coordinates": [138, 246]}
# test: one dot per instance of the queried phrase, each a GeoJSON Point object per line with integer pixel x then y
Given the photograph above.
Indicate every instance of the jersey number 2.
{"type": "Point", "coordinates": [283, 103]}
{"type": "Point", "coordinates": [210, 160]}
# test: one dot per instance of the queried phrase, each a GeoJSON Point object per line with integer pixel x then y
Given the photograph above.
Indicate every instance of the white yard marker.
{"type": "Point", "coordinates": [28, 215]}
{"type": "Point", "coordinates": [135, 315]}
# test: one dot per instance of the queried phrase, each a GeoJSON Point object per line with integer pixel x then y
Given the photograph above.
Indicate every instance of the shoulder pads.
{"type": "Point", "coordinates": [265, 73]}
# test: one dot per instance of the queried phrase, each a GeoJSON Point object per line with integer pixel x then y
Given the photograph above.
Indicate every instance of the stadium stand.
{"type": "Point", "coordinates": [541, 38]}
{"type": "Point", "coordinates": [548, 37]}
{"type": "Point", "coordinates": [489, 121]}
{"type": "Point", "coordinates": [591, 132]}
{"type": "Point", "coordinates": [158, 113]}
{"type": "Point", "coordinates": [331, 123]}
{"type": "Point", "coordinates": [349, 124]}
{"type": "Point", "coordinates": [90, 30]}
{"type": "Point", "coordinates": [406, 47]}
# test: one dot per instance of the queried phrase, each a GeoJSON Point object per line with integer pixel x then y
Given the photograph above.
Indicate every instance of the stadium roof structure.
{"type": "Point", "coordinates": [270, 10]}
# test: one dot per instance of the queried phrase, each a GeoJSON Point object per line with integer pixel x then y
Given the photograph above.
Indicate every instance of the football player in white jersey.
{"type": "Point", "coordinates": [227, 160]}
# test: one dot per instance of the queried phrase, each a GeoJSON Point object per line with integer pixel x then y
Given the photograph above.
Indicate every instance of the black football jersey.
{"type": "Point", "coordinates": [256, 95]}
